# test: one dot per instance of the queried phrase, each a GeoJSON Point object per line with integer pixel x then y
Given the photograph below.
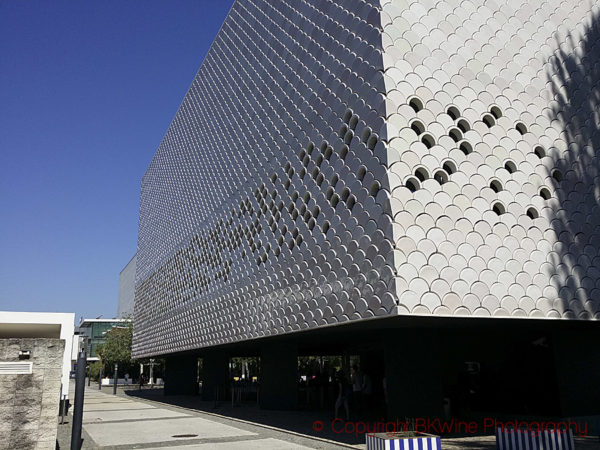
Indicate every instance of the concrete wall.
{"type": "Point", "coordinates": [18, 324]}
{"type": "Point", "coordinates": [29, 407]}
{"type": "Point", "coordinates": [127, 289]}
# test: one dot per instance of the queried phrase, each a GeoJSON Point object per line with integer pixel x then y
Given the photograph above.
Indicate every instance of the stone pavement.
{"type": "Point", "coordinates": [148, 420]}
{"type": "Point", "coordinates": [117, 422]}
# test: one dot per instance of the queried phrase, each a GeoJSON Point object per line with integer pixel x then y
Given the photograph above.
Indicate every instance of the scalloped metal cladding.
{"type": "Point", "coordinates": [340, 160]}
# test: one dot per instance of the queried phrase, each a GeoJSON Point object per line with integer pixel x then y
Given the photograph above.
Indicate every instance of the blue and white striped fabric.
{"type": "Point", "coordinates": [509, 439]}
{"type": "Point", "coordinates": [382, 441]}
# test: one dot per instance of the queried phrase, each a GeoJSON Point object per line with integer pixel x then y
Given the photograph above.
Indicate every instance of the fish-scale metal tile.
{"type": "Point", "coordinates": [337, 161]}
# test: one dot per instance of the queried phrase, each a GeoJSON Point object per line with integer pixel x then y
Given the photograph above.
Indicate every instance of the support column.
{"type": "Point", "coordinates": [215, 376]}
{"type": "Point", "coordinates": [279, 376]}
{"type": "Point", "coordinates": [413, 374]}
{"type": "Point", "coordinates": [181, 374]}
{"type": "Point", "coordinates": [577, 363]}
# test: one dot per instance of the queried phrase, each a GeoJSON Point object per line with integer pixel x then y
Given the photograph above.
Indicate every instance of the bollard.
{"type": "Point", "coordinates": [64, 408]}
{"type": "Point", "coordinates": [100, 379]}
{"type": "Point", "coordinates": [78, 408]}
{"type": "Point", "coordinates": [116, 378]}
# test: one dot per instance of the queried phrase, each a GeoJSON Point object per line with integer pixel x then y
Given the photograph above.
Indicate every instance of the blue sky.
{"type": "Point", "coordinates": [87, 91]}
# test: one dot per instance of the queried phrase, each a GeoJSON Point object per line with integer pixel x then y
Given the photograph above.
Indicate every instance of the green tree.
{"type": "Point", "coordinates": [95, 370]}
{"type": "Point", "coordinates": [117, 348]}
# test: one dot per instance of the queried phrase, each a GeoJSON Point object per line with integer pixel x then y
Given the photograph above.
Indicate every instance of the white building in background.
{"type": "Point", "coordinates": [92, 334]}
{"type": "Point", "coordinates": [43, 325]}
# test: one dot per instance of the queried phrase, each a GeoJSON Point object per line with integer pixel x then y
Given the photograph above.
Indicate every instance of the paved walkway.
{"type": "Point", "coordinates": [152, 421]}
{"type": "Point", "coordinates": [117, 422]}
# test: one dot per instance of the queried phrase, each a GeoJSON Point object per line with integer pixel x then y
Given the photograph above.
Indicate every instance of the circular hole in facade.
{"type": "Point", "coordinates": [326, 226]}
{"type": "Point", "coordinates": [366, 134]}
{"type": "Point", "coordinates": [310, 148]}
{"type": "Point", "coordinates": [463, 125]}
{"type": "Point", "coordinates": [320, 179]}
{"type": "Point", "coordinates": [498, 208]}
{"type": "Point", "coordinates": [449, 167]}
{"type": "Point", "coordinates": [455, 134]}
{"type": "Point", "coordinates": [489, 120]}
{"type": "Point", "coordinates": [351, 202]}
{"type": "Point", "coordinates": [557, 175]}
{"type": "Point", "coordinates": [510, 166]}
{"type": "Point", "coordinates": [348, 115]}
{"type": "Point", "coordinates": [413, 184]}
{"type": "Point", "coordinates": [417, 127]}
{"type": "Point", "coordinates": [532, 213]}
{"type": "Point", "coordinates": [334, 200]}
{"type": "Point", "coordinates": [428, 140]}
{"type": "Point", "coordinates": [521, 128]}
{"type": "Point", "coordinates": [466, 148]}
{"type": "Point", "coordinates": [372, 142]}
{"type": "Point", "coordinates": [453, 112]}
{"type": "Point", "coordinates": [421, 174]}
{"type": "Point", "coordinates": [374, 188]}
{"type": "Point", "coordinates": [362, 171]}
{"type": "Point", "coordinates": [345, 194]}
{"type": "Point", "coordinates": [440, 176]}
{"type": "Point", "coordinates": [334, 179]}
{"type": "Point", "coordinates": [545, 193]}
{"type": "Point", "coordinates": [416, 104]}
{"type": "Point", "coordinates": [353, 122]}
{"type": "Point", "coordinates": [539, 151]}
{"type": "Point", "coordinates": [496, 186]}
{"type": "Point", "coordinates": [311, 224]}
{"type": "Point", "coordinates": [344, 151]}
{"type": "Point", "coordinates": [348, 137]}
{"type": "Point", "coordinates": [343, 130]}
{"type": "Point", "coordinates": [496, 112]}
{"type": "Point", "coordinates": [328, 152]}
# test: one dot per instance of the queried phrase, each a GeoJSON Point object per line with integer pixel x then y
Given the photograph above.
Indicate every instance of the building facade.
{"type": "Point", "coordinates": [92, 334]}
{"type": "Point", "coordinates": [127, 290]}
{"type": "Point", "coordinates": [394, 170]}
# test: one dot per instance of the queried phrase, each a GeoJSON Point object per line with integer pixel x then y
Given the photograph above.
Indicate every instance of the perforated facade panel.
{"type": "Point", "coordinates": [340, 160]}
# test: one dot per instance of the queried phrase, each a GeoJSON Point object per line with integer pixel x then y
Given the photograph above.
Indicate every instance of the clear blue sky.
{"type": "Point", "coordinates": [87, 91]}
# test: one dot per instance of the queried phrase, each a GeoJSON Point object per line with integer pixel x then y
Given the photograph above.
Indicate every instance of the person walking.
{"type": "Point", "coordinates": [357, 380]}
{"type": "Point", "coordinates": [343, 397]}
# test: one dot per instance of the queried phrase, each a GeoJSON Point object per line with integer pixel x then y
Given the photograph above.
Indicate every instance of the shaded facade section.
{"type": "Point", "coordinates": [127, 290]}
